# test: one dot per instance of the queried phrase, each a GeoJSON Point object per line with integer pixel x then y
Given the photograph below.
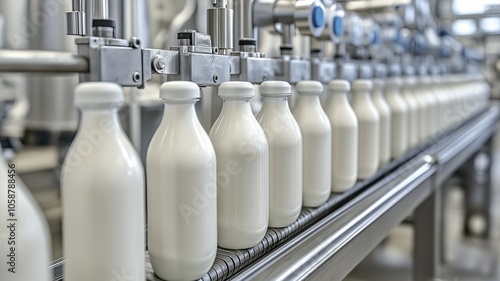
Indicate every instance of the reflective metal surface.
{"type": "Point", "coordinates": [41, 61]}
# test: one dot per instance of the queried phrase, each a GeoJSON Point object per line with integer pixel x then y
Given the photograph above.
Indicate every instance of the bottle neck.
{"type": "Point", "coordinates": [308, 100]}
{"type": "Point", "coordinates": [179, 110]}
{"type": "Point", "coordinates": [361, 96]}
{"type": "Point", "coordinates": [236, 105]}
{"type": "Point", "coordinates": [340, 98]}
{"type": "Point", "coordinates": [104, 119]}
{"type": "Point", "coordinates": [278, 103]}
{"type": "Point", "coordinates": [377, 93]}
{"type": "Point", "coordinates": [392, 92]}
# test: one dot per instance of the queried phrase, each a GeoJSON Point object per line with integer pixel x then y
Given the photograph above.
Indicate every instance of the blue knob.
{"type": "Point", "coordinates": [318, 17]}
{"type": "Point", "coordinates": [338, 25]}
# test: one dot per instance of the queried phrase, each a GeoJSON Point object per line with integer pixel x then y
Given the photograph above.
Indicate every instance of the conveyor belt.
{"type": "Point", "coordinates": [229, 262]}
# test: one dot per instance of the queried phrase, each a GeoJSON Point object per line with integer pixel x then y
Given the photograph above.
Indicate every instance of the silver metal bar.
{"type": "Point", "coordinates": [101, 9]}
{"type": "Point", "coordinates": [41, 61]}
{"type": "Point", "coordinates": [463, 146]}
{"type": "Point", "coordinates": [427, 241]}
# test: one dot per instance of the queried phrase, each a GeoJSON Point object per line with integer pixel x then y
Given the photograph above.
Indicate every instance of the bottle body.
{"type": "Point", "coordinates": [242, 176]}
{"type": "Point", "coordinates": [432, 103]}
{"type": "Point", "coordinates": [399, 122]}
{"type": "Point", "coordinates": [182, 196]}
{"type": "Point", "coordinates": [103, 201]}
{"type": "Point", "coordinates": [368, 133]}
{"type": "Point", "coordinates": [316, 154]}
{"type": "Point", "coordinates": [25, 244]}
{"type": "Point", "coordinates": [420, 97]}
{"type": "Point", "coordinates": [415, 116]}
{"type": "Point", "coordinates": [442, 103]}
{"type": "Point", "coordinates": [385, 125]}
{"type": "Point", "coordinates": [285, 161]}
{"type": "Point", "coordinates": [344, 142]}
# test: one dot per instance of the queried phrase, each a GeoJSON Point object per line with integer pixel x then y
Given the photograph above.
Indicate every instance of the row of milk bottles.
{"type": "Point", "coordinates": [249, 173]}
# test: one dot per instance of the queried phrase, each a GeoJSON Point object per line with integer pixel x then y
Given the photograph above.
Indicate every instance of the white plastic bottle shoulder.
{"type": "Point", "coordinates": [344, 137]}
{"type": "Point", "coordinates": [385, 121]}
{"type": "Point", "coordinates": [399, 120]}
{"type": "Point", "coordinates": [102, 192]}
{"type": "Point", "coordinates": [316, 143]}
{"type": "Point", "coordinates": [421, 98]}
{"type": "Point", "coordinates": [368, 130]}
{"type": "Point", "coordinates": [182, 191]}
{"type": "Point", "coordinates": [285, 154]}
{"type": "Point", "coordinates": [414, 110]}
{"type": "Point", "coordinates": [25, 238]}
{"type": "Point", "coordinates": [242, 170]}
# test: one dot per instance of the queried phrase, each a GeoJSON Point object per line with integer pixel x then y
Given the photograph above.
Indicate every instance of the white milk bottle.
{"type": "Point", "coordinates": [432, 106]}
{"type": "Point", "coordinates": [285, 153]}
{"type": "Point", "coordinates": [344, 136]}
{"type": "Point", "coordinates": [102, 192]}
{"type": "Point", "coordinates": [182, 191]}
{"type": "Point", "coordinates": [420, 93]}
{"type": "Point", "coordinates": [385, 121]}
{"type": "Point", "coordinates": [368, 128]}
{"type": "Point", "coordinates": [25, 238]}
{"type": "Point", "coordinates": [316, 144]}
{"type": "Point", "coordinates": [242, 170]}
{"type": "Point", "coordinates": [414, 110]}
{"type": "Point", "coordinates": [399, 120]}
{"type": "Point", "coordinates": [442, 102]}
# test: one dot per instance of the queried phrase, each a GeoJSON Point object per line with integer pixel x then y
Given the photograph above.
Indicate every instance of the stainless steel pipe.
{"type": "Point", "coordinates": [42, 62]}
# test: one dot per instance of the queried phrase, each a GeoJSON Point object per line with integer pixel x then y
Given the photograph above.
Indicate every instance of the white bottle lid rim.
{"type": "Point", "coordinates": [362, 85]}
{"type": "Point", "coordinates": [179, 91]}
{"type": "Point", "coordinates": [309, 88]}
{"type": "Point", "coordinates": [98, 93]}
{"type": "Point", "coordinates": [275, 89]}
{"type": "Point", "coordinates": [339, 85]}
{"type": "Point", "coordinates": [236, 89]}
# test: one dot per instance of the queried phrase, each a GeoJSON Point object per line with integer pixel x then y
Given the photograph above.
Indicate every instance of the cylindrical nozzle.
{"type": "Point", "coordinates": [220, 27]}
{"type": "Point", "coordinates": [76, 20]}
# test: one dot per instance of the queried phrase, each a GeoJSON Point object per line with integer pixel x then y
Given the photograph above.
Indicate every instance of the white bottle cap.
{"type": "Point", "coordinates": [362, 85]}
{"type": "Point", "coordinates": [275, 89]}
{"type": "Point", "coordinates": [236, 89]}
{"type": "Point", "coordinates": [339, 86]}
{"type": "Point", "coordinates": [179, 91]}
{"type": "Point", "coordinates": [98, 93]}
{"type": "Point", "coordinates": [309, 88]}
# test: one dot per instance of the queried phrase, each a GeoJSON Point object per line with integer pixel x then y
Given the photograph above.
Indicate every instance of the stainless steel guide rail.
{"type": "Point", "coordinates": [341, 232]}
